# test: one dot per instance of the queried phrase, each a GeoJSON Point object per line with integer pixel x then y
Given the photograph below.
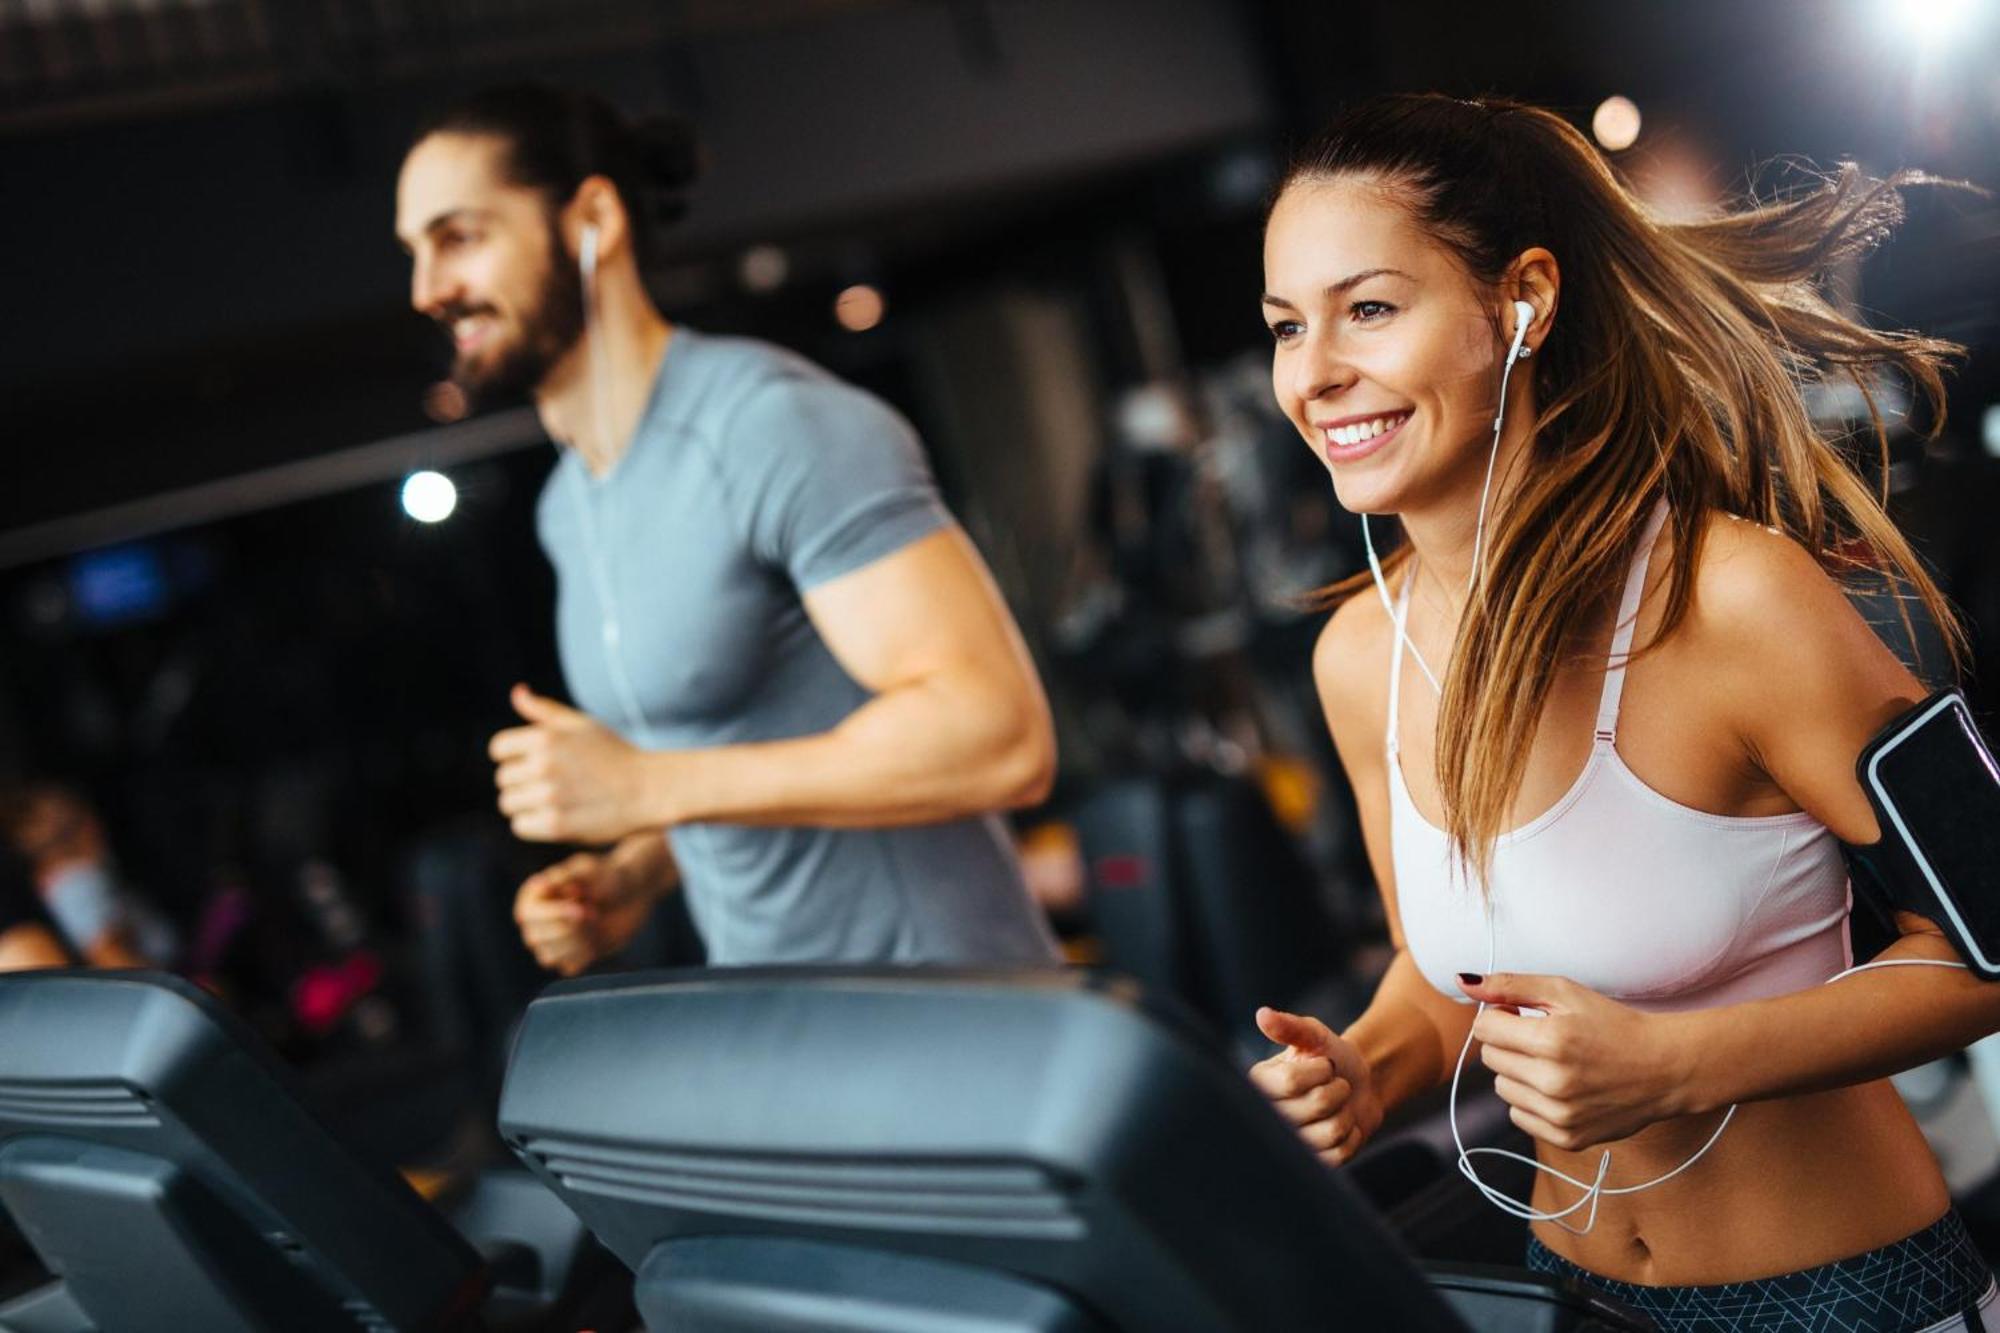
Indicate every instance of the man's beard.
{"type": "Point", "coordinates": [549, 329]}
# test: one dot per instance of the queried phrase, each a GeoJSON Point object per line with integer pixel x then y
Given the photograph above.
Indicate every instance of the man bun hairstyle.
{"type": "Point", "coordinates": [556, 138]}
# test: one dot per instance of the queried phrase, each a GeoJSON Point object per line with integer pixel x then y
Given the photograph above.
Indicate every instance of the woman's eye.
{"type": "Point", "coordinates": [1286, 329]}
{"type": "Point", "coordinates": [1368, 311]}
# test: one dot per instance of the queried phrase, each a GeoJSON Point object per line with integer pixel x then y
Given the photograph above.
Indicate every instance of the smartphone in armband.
{"type": "Point", "coordinates": [1935, 788]}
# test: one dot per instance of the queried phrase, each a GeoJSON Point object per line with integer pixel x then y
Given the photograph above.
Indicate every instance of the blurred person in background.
{"type": "Point", "coordinates": [1601, 712]}
{"type": "Point", "coordinates": [62, 839]}
{"type": "Point", "coordinates": [801, 696]}
{"type": "Point", "coordinates": [26, 937]}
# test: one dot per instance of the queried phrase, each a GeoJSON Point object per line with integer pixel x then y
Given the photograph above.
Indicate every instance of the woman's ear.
{"type": "Point", "coordinates": [1536, 278]}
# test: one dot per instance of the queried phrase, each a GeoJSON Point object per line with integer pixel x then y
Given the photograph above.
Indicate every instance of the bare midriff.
{"type": "Point", "coordinates": [1793, 1183]}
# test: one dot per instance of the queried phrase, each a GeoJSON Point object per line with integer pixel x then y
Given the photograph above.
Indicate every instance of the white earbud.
{"type": "Point", "coordinates": [587, 252]}
{"type": "Point", "coordinates": [1524, 315]}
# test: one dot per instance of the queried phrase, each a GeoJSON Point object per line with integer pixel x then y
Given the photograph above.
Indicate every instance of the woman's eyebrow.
{"type": "Point", "coordinates": [1345, 284]}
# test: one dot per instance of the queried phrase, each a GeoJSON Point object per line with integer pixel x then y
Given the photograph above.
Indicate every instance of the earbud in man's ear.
{"type": "Point", "coordinates": [1524, 315]}
{"type": "Point", "coordinates": [587, 252]}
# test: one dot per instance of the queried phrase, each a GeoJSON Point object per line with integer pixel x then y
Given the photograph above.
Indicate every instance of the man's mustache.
{"type": "Point", "coordinates": [450, 315]}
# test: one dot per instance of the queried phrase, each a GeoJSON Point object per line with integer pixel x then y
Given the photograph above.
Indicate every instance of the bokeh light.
{"type": "Point", "coordinates": [763, 268]}
{"type": "Point", "coordinates": [445, 402]}
{"type": "Point", "coordinates": [1615, 125]}
{"type": "Point", "coordinates": [429, 497]}
{"type": "Point", "coordinates": [859, 308]}
{"type": "Point", "coordinates": [1930, 23]}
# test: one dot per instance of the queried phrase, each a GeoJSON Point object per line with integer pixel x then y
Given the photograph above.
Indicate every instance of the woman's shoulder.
{"type": "Point", "coordinates": [1756, 586]}
{"type": "Point", "coordinates": [1351, 663]}
{"type": "Point", "coordinates": [1768, 624]}
{"type": "Point", "coordinates": [1359, 629]}
{"type": "Point", "coordinates": [1784, 659]}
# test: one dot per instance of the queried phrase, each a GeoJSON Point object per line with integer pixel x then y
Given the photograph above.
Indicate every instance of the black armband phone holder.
{"type": "Point", "coordinates": [1935, 788]}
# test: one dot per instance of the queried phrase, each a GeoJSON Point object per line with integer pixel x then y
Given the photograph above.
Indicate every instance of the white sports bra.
{"type": "Point", "coordinates": [1632, 894]}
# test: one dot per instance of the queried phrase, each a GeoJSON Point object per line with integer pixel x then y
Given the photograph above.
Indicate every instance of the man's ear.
{"type": "Point", "coordinates": [596, 204]}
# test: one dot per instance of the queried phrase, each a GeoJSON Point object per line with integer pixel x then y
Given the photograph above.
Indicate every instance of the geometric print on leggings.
{"type": "Point", "coordinates": [1919, 1281]}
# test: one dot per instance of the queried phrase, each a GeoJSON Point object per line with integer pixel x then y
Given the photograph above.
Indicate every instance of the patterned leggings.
{"type": "Point", "coordinates": [1935, 1281]}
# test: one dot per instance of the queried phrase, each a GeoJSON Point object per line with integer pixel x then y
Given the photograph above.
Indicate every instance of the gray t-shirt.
{"type": "Point", "coordinates": [755, 476]}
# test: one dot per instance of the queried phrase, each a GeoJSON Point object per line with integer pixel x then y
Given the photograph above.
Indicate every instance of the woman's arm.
{"type": "Point", "coordinates": [1805, 684]}
{"type": "Point", "coordinates": [1812, 684]}
{"type": "Point", "coordinates": [1862, 1027]}
{"type": "Point", "coordinates": [1337, 1088]}
{"type": "Point", "coordinates": [1409, 1034]}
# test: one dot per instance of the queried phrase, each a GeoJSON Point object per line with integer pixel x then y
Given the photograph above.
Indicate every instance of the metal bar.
{"type": "Point", "coordinates": [266, 488]}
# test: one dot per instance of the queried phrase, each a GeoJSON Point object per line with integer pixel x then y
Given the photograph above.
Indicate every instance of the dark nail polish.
{"type": "Point", "coordinates": [1471, 978]}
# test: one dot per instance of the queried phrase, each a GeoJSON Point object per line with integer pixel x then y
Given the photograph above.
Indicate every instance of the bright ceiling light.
{"type": "Point", "coordinates": [1929, 22]}
{"type": "Point", "coordinates": [429, 497]}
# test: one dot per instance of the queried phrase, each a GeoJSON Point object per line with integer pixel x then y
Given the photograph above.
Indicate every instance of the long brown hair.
{"type": "Point", "coordinates": [1676, 369]}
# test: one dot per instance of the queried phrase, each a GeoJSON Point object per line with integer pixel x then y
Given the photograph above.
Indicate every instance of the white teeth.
{"type": "Point", "coordinates": [1348, 436]}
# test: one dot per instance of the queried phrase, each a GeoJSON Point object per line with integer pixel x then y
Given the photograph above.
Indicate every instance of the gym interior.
{"type": "Point", "coordinates": [268, 575]}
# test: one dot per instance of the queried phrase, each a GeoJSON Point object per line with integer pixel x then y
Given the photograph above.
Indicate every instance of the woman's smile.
{"type": "Point", "coordinates": [1350, 439]}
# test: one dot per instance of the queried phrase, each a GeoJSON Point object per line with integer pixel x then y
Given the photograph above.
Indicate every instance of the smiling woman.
{"type": "Point", "coordinates": [1629, 783]}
